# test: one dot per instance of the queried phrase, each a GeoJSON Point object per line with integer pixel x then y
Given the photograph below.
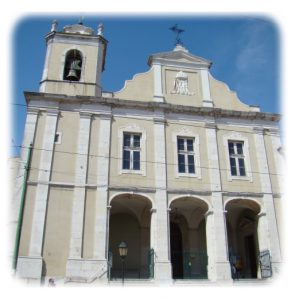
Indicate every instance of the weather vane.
{"type": "Point", "coordinates": [178, 31]}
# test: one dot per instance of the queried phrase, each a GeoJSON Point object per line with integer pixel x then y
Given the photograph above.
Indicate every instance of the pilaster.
{"type": "Point", "coordinates": [101, 213]}
{"type": "Point", "coordinates": [219, 237]}
{"type": "Point", "coordinates": [39, 215]}
{"type": "Point", "coordinates": [29, 135]}
{"type": "Point", "coordinates": [207, 101]}
{"type": "Point", "coordinates": [79, 190]}
{"type": "Point", "coordinates": [158, 90]}
{"type": "Point", "coordinates": [268, 201]}
{"type": "Point", "coordinates": [161, 245]}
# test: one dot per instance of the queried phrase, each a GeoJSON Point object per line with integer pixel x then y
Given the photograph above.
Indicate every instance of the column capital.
{"type": "Point", "coordinates": [52, 112]}
{"type": "Point", "coordinates": [105, 116]}
{"type": "Point", "coordinates": [160, 120]}
{"type": "Point", "coordinates": [261, 214]}
{"type": "Point", "coordinates": [210, 125]}
{"type": "Point", "coordinates": [33, 111]}
{"type": "Point", "coordinates": [258, 130]}
{"type": "Point", "coordinates": [85, 114]}
{"type": "Point", "coordinates": [208, 213]}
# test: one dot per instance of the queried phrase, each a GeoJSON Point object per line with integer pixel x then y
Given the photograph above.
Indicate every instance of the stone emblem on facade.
{"type": "Point", "coordinates": [181, 84]}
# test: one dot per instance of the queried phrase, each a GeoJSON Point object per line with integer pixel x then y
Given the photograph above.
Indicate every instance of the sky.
{"type": "Point", "coordinates": [245, 51]}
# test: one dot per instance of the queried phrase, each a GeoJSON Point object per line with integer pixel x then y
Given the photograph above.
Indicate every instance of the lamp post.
{"type": "Point", "coordinates": [123, 250]}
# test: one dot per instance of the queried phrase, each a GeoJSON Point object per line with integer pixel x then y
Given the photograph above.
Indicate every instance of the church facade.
{"type": "Point", "coordinates": [174, 165]}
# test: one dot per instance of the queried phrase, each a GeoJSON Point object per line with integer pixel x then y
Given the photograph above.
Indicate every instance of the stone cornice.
{"type": "Point", "coordinates": [32, 99]}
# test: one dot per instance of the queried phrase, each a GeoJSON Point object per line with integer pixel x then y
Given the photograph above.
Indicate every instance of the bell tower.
{"type": "Point", "coordinates": [74, 61]}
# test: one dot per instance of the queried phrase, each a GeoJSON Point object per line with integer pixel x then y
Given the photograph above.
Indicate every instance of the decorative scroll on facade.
{"type": "Point", "coordinates": [181, 84]}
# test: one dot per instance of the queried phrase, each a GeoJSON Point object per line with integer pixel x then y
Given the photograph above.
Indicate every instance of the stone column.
{"type": "Point", "coordinates": [75, 263]}
{"type": "Point", "coordinates": [268, 201]}
{"type": "Point", "coordinates": [161, 245]}
{"type": "Point", "coordinates": [31, 266]}
{"type": "Point", "coordinates": [219, 237]}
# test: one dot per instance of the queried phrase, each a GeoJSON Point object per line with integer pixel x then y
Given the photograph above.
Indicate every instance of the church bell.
{"type": "Point", "coordinates": [72, 75]}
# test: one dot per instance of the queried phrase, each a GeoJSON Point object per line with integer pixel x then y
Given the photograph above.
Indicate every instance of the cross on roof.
{"type": "Point", "coordinates": [178, 31]}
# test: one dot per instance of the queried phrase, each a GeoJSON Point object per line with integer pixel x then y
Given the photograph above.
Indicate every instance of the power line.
{"type": "Point", "coordinates": [143, 161]}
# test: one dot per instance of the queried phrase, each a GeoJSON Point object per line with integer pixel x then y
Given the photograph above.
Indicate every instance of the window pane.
{"type": "Point", "coordinates": [126, 140]}
{"type": "Point", "coordinates": [180, 144]}
{"type": "Point", "coordinates": [126, 160]}
{"type": "Point", "coordinates": [181, 163]}
{"type": "Point", "coordinates": [240, 148]}
{"type": "Point", "coordinates": [191, 164]}
{"type": "Point", "coordinates": [231, 149]}
{"type": "Point", "coordinates": [242, 168]}
{"type": "Point", "coordinates": [190, 145]}
{"type": "Point", "coordinates": [136, 141]}
{"type": "Point", "coordinates": [136, 160]}
{"type": "Point", "coordinates": [233, 167]}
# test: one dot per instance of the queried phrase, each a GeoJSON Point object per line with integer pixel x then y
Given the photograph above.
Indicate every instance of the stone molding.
{"type": "Point", "coordinates": [152, 106]}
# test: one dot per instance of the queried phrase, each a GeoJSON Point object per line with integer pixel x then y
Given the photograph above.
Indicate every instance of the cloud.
{"type": "Point", "coordinates": [255, 46]}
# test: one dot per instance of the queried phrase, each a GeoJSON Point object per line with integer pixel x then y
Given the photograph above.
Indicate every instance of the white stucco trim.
{"type": "Point", "coordinates": [132, 128]}
{"type": "Point", "coordinates": [207, 101]}
{"type": "Point", "coordinates": [194, 197]}
{"type": "Point", "coordinates": [187, 133]}
{"type": "Point", "coordinates": [158, 89]}
{"type": "Point", "coordinates": [59, 134]}
{"type": "Point", "coordinates": [244, 198]}
{"type": "Point", "coordinates": [132, 194]}
{"type": "Point", "coordinates": [237, 136]}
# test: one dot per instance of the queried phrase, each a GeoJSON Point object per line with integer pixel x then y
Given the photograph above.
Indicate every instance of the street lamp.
{"type": "Point", "coordinates": [123, 250]}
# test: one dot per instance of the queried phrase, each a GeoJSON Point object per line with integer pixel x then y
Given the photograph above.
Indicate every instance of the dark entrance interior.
{"type": "Point", "coordinates": [251, 255]}
{"type": "Point", "coordinates": [176, 251]}
{"type": "Point", "coordinates": [242, 237]}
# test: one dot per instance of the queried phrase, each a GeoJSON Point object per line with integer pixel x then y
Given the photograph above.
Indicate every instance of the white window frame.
{"type": "Point", "coordinates": [131, 148]}
{"type": "Point", "coordinates": [236, 156]}
{"type": "Point", "coordinates": [59, 138]}
{"type": "Point", "coordinates": [185, 152]}
{"type": "Point", "coordinates": [237, 137]}
{"type": "Point", "coordinates": [134, 130]}
{"type": "Point", "coordinates": [187, 134]}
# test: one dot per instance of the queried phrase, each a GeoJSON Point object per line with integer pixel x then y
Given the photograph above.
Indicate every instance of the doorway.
{"type": "Point", "coordinates": [130, 217]}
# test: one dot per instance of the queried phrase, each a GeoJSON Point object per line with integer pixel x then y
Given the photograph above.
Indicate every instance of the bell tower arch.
{"type": "Point", "coordinates": [74, 62]}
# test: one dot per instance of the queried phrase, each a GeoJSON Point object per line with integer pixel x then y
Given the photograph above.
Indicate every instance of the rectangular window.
{"type": "Point", "coordinates": [236, 158]}
{"type": "Point", "coordinates": [186, 155]}
{"type": "Point", "coordinates": [57, 138]}
{"type": "Point", "coordinates": [131, 151]}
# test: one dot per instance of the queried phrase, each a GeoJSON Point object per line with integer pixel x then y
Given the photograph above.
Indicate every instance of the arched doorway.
{"type": "Point", "coordinates": [188, 246]}
{"type": "Point", "coordinates": [130, 217]}
{"type": "Point", "coordinates": [242, 235]}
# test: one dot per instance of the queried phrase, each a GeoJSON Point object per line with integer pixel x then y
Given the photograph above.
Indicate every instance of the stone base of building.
{"type": "Point", "coordinates": [29, 267]}
{"type": "Point", "coordinates": [223, 272]}
{"type": "Point", "coordinates": [86, 270]}
{"type": "Point", "coordinates": [163, 272]}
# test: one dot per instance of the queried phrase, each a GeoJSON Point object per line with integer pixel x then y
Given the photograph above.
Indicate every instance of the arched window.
{"type": "Point", "coordinates": [73, 65]}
